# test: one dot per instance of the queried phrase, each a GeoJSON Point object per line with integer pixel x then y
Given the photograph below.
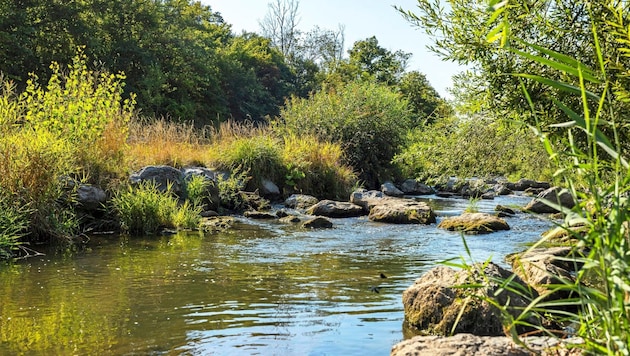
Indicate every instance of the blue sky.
{"type": "Point", "coordinates": [362, 19]}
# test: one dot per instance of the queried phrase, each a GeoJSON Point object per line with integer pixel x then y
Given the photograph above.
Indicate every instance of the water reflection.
{"type": "Point", "coordinates": [261, 288]}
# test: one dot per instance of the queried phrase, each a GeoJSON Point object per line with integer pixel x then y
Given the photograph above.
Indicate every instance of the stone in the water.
{"type": "Point", "coordinates": [318, 223]}
{"type": "Point", "coordinates": [474, 223]}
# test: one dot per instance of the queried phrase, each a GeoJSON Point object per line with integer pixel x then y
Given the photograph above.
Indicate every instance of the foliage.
{"type": "Point", "coordinates": [73, 127]}
{"type": "Point", "coordinates": [13, 225]}
{"type": "Point", "coordinates": [368, 120]}
{"type": "Point", "coordinates": [595, 171]}
{"type": "Point", "coordinates": [459, 33]}
{"type": "Point", "coordinates": [473, 147]}
{"type": "Point", "coordinates": [424, 100]}
{"type": "Point", "coordinates": [196, 189]}
{"type": "Point", "coordinates": [315, 168]}
{"type": "Point", "coordinates": [145, 209]}
{"type": "Point", "coordinates": [230, 188]}
{"type": "Point", "coordinates": [86, 110]}
{"type": "Point", "coordinates": [177, 55]}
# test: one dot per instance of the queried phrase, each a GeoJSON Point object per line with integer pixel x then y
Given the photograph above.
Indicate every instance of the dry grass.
{"type": "Point", "coordinates": [159, 141]}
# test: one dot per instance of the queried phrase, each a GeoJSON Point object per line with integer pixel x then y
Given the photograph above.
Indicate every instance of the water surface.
{"type": "Point", "coordinates": [261, 288]}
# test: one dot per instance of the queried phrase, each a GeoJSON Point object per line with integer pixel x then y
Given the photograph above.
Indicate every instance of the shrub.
{"type": "Point", "coordinates": [473, 147]}
{"type": "Point", "coordinates": [368, 120]}
{"type": "Point", "coordinates": [316, 168]}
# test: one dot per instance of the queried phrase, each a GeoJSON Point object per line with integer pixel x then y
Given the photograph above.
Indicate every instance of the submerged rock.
{"type": "Point", "coordinates": [260, 215]}
{"type": "Point", "coordinates": [474, 223]}
{"type": "Point", "coordinates": [433, 304]}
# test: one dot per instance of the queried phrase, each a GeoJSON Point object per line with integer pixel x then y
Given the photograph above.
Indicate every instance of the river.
{"type": "Point", "coordinates": [260, 288]}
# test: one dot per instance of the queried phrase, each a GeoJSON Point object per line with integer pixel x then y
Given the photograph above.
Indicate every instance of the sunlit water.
{"type": "Point", "coordinates": [262, 288]}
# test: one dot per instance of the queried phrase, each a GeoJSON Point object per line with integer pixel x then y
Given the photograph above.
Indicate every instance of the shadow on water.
{"type": "Point", "coordinates": [259, 288]}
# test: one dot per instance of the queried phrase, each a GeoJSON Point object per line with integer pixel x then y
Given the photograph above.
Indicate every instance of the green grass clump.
{"type": "Point", "coordinates": [144, 209]}
{"type": "Point", "coordinates": [13, 226]}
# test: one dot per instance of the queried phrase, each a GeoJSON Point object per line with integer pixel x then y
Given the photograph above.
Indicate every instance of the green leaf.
{"type": "Point", "coordinates": [559, 85]}
{"type": "Point", "coordinates": [557, 65]}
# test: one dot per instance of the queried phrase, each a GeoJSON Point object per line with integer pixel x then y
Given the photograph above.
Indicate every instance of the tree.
{"type": "Point", "coordinates": [280, 25]}
{"type": "Point", "coordinates": [424, 100]}
{"type": "Point", "coordinates": [460, 34]}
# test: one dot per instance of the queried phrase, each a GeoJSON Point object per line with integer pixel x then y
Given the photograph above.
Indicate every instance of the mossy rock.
{"type": "Point", "coordinates": [474, 223]}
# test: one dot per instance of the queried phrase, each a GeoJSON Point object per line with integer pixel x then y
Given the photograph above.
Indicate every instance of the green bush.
{"type": "Point", "coordinates": [368, 120]}
{"type": "Point", "coordinates": [473, 147]}
{"type": "Point", "coordinates": [144, 209]}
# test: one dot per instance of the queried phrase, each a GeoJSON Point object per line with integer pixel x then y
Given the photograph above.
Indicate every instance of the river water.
{"type": "Point", "coordinates": [261, 288]}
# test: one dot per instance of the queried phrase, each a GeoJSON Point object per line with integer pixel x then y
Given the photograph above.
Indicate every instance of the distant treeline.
{"type": "Point", "coordinates": [183, 61]}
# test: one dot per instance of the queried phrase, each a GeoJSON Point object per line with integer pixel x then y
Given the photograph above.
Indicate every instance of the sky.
{"type": "Point", "coordinates": [362, 19]}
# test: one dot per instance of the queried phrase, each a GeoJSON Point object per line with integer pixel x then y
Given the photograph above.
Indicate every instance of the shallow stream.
{"type": "Point", "coordinates": [261, 288]}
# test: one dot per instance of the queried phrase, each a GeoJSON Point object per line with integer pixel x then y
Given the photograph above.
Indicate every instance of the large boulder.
{"type": "Point", "coordinates": [389, 189]}
{"type": "Point", "coordinates": [541, 267]}
{"type": "Point", "coordinates": [162, 176]}
{"type": "Point", "coordinates": [401, 211]}
{"type": "Point", "coordinates": [413, 187]}
{"type": "Point", "coordinates": [335, 209]}
{"type": "Point", "coordinates": [474, 223]}
{"type": "Point", "coordinates": [435, 305]}
{"type": "Point", "coordinates": [300, 201]}
{"type": "Point", "coordinates": [555, 195]}
{"type": "Point", "coordinates": [468, 344]}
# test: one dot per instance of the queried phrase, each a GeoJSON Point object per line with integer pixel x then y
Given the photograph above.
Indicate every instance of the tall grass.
{"type": "Point", "coordinates": [162, 141]}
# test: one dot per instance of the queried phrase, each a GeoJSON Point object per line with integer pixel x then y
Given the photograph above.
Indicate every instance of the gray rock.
{"type": "Point", "coordinates": [502, 189]}
{"type": "Point", "coordinates": [555, 195]}
{"type": "Point", "coordinates": [468, 344]}
{"type": "Point", "coordinates": [365, 198]}
{"type": "Point", "coordinates": [300, 201]}
{"type": "Point", "coordinates": [523, 184]}
{"type": "Point", "coordinates": [318, 223]}
{"type": "Point", "coordinates": [474, 223]}
{"type": "Point", "coordinates": [335, 209]}
{"type": "Point", "coordinates": [163, 176]}
{"type": "Point", "coordinates": [269, 190]}
{"type": "Point", "coordinates": [433, 304]}
{"type": "Point", "coordinates": [91, 197]}
{"type": "Point", "coordinates": [389, 189]}
{"type": "Point", "coordinates": [413, 187]}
